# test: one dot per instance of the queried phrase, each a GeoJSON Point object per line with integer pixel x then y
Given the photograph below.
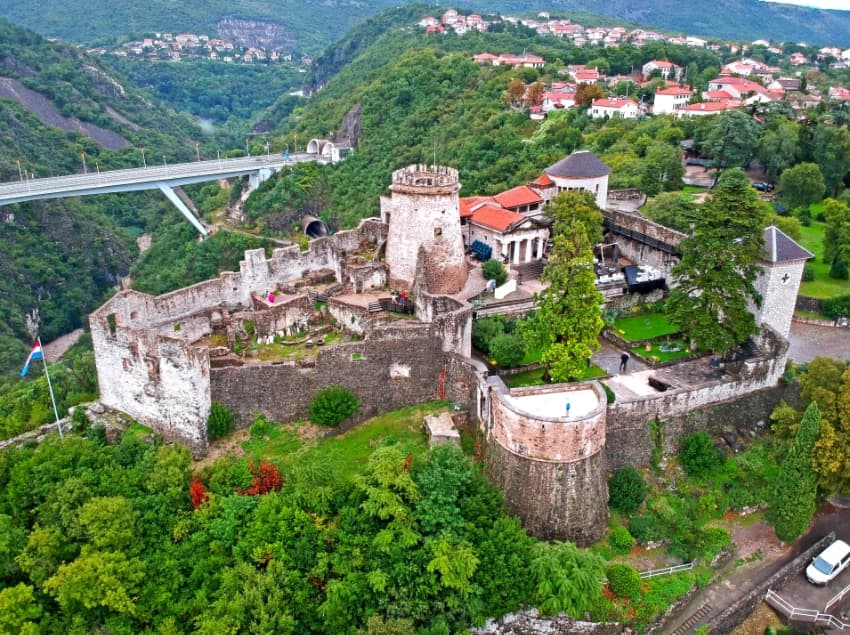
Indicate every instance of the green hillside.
{"type": "Point", "coordinates": [313, 26]}
{"type": "Point", "coordinates": [62, 257]}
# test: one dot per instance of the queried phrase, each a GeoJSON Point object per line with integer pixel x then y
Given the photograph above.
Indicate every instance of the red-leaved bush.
{"type": "Point", "coordinates": [198, 493]}
{"type": "Point", "coordinates": [266, 479]}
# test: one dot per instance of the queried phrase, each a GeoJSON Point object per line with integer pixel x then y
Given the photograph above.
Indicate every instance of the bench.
{"type": "Point", "coordinates": [659, 385]}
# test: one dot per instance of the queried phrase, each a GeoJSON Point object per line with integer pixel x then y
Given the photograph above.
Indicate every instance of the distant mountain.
{"type": "Point", "coordinates": [311, 26]}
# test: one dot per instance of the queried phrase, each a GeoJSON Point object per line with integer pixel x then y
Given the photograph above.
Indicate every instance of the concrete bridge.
{"type": "Point", "coordinates": [164, 177]}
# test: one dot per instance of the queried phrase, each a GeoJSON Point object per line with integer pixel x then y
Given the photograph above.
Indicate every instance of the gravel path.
{"type": "Point", "coordinates": [809, 341]}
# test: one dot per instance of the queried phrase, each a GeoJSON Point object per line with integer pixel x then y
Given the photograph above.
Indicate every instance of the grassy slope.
{"type": "Point", "coordinates": [822, 286]}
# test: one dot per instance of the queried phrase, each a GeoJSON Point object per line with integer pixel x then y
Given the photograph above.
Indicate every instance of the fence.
{"type": "Point", "coordinates": [654, 573]}
{"type": "Point", "coordinates": [804, 615]}
{"type": "Point", "coordinates": [837, 598]}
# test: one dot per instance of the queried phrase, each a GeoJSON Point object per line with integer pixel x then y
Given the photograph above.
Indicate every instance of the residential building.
{"type": "Point", "coordinates": [614, 107]}
{"type": "Point", "coordinates": [669, 100]}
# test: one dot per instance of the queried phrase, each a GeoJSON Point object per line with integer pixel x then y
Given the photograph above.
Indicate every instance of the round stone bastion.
{"type": "Point", "coordinates": [548, 458]}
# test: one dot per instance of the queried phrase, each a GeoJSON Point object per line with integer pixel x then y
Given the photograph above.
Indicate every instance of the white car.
{"type": "Point", "coordinates": [831, 561]}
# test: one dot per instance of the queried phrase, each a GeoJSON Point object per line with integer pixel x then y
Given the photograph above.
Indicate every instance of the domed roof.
{"type": "Point", "coordinates": [579, 165]}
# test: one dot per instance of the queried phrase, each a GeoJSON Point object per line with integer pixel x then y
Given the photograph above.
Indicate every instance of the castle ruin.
{"type": "Point", "coordinates": [164, 360]}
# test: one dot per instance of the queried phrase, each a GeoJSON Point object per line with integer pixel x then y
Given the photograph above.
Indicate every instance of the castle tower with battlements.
{"type": "Point", "coordinates": [423, 214]}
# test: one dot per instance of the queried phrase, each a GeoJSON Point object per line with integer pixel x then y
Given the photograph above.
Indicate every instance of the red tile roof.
{"type": "Point", "coordinates": [468, 204]}
{"type": "Point", "coordinates": [614, 102]}
{"type": "Point", "coordinates": [496, 218]}
{"type": "Point", "coordinates": [517, 197]}
{"type": "Point", "coordinates": [543, 180]}
{"type": "Point", "coordinates": [673, 91]}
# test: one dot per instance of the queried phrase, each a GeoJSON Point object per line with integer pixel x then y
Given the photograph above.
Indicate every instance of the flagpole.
{"type": "Point", "coordinates": [50, 388]}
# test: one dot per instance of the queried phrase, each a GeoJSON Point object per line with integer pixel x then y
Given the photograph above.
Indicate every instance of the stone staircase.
{"type": "Point", "coordinates": [693, 621]}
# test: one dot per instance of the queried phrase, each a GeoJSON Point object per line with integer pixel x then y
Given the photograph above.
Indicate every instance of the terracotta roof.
{"type": "Point", "coordinates": [716, 94]}
{"type": "Point", "coordinates": [712, 106]}
{"type": "Point", "coordinates": [614, 102]}
{"type": "Point", "coordinates": [517, 197]}
{"type": "Point", "coordinates": [579, 165]}
{"type": "Point", "coordinates": [496, 217]}
{"type": "Point", "coordinates": [673, 91]}
{"type": "Point", "coordinates": [543, 180]}
{"type": "Point", "coordinates": [468, 204]}
{"type": "Point", "coordinates": [660, 64]}
{"type": "Point", "coordinates": [781, 248]}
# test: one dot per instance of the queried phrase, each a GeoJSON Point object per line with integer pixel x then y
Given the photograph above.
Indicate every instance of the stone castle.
{"type": "Point", "coordinates": [164, 360]}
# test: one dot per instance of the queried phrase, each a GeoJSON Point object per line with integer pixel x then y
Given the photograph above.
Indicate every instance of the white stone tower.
{"type": "Point", "coordinates": [779, 283]}
{"type": "Point", "coordinates": [423, 213]}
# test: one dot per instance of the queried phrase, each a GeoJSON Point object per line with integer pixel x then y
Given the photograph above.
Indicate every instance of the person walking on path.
{"type": "Point", "coordinates": [624, 361]}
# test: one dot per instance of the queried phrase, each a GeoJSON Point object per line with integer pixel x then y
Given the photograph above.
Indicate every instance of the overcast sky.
{"type": "Point", "coordinates": [820, 4]}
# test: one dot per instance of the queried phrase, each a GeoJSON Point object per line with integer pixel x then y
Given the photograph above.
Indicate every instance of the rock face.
{"type": "Point", "coordinates": [257, 33]}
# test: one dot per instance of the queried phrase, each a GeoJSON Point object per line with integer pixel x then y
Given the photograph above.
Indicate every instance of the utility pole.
{"type": "Point", "coordinates": [85, 169]}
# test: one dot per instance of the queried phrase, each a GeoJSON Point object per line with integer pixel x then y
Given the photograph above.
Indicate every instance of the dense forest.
{"type": "Point", "coordinates": [315, 25]}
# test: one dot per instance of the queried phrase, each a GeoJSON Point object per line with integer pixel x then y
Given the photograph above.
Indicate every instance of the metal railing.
{"type": "Point", "coordinates": [654, 573]}
{"type": "Point", "coordinates": [836, 598]}
{"type": "Point", "coordinates": [804, 615]}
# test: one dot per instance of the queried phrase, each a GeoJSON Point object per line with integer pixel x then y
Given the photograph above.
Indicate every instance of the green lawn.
{"type": "Point", "coordinates": [822, 286]}
{"type": "Point", "coordinates": [535, 377]}
{"type": "Point", "coordinates": [663, 356]}
{"type": "Point", "coordinates": [644, 327]}
{"type": "Point", "coordinates": [350, 451]}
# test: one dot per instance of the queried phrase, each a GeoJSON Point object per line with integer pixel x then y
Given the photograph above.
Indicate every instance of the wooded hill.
{"type": "Point", "coordinates": [311, 26]}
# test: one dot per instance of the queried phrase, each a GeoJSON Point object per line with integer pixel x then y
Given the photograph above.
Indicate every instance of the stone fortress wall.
{"type": "Point", "coordinates": [552, 469]}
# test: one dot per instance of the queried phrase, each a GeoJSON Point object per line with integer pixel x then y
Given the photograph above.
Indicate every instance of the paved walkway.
{"type": "Point", "coordinates": [809, 341]}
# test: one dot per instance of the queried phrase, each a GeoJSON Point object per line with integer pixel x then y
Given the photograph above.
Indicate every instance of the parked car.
{"type": "Point", "coordinates": [763, 186]}
{"type": "Point", "coordinates": [829, 563]}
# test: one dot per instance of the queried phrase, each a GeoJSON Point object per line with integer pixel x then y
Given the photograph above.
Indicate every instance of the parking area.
{"type": "Point", "coordinates": [802, 594]}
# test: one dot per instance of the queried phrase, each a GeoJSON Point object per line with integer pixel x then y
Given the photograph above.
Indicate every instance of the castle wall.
{"type": "Point", "coordinates": [389, 374]}
{"type": "Point", "coordinates": [749, 398]}
{"type": "Point", "coordinates": [161, 382]}
{"type": "Point", "coordinates": [551, 469]}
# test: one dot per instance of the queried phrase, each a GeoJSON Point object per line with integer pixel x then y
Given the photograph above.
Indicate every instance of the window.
{"type": "Point", "coordinates": [438, 231]}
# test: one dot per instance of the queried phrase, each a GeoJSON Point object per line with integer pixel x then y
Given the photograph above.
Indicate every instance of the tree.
{"type": "Point", "coordinates": [698, 455]}
{"type": "Point", "coordinates": [794, 497]}
{"type": "Point", "coordinates": [802, 185]}
{"type": "Point", "coordinates": [534, 94]}
{"type": "Point", "coordinates": [779, 147]}
{"type": "Point", "coordinates": [507, 349]}
{"type": "Point", "coordinates": [627, 489]}
{"type": "Point", "coordinates": [569, 580]}
{"type": "Point", "coordinates": [833, 147]}
{"type": "Point", "coordinates": [732, 139]}
{"type": "Point", "coordinates": [515, 92]}
{"type": "Point", "coordinates": [661, 169]}
{"type": "Point", "coordinates": [494, 270]}
{"type": "Point", "coordinates": [333, 405]}
{"type": "Point", "coordinates": [715, 280]}
{"type": "Point", "coordinates": [671, 210]}
{"type": "Point", "coordinates": [836, 237]}
{"type": "Point", "coordinates": [586, 93]}
{"type": "Point", "coordinates": [567, 320]}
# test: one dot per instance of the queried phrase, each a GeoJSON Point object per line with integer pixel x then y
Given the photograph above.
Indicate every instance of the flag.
{"type": "Point", "coordinates": [35, 353]}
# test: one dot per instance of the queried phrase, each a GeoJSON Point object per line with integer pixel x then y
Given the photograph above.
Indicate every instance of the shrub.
{"type": "Point", "coordinates": [333, 405]}
{"type": "Point", "coordinates": [624, 580]}
{"type": "Point", "coordinates": [808, 273]}
{"type": "Point", "coordinates": [484, 330]}
{"type": "Point", "coordinates": [646, 529]}
{"type": "Point", "coordinates": [698, 455]}
{"type": "Point", "coordinates": [837, 306]}
{"type": "Point", "coordinates": [621, 540]}
{"type": "Point", "coordinates": [627, 489]}
{"type": "Point", "coordinates": [838, 270]}
{"type": "Point", "coordinates": [79, 420]}
{"type": "Point", "coordinates": [494, 270]}
{"type": "Point", "coordinates": [220, 421]}
{"type": "Point", "coordinates": [712, 541]}
{"type": "Point", "coordinates": [507, 350]}
{"type": "Point", "coordinates": [260, 428]}
{"type": "Point", "coordinates": [610, 397]}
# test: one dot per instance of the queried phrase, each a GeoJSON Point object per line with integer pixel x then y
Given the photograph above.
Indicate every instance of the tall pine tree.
{"type": "Point", "coordinates": [792, 504]}
{"type": "Point", "coordinates": [568, 315]}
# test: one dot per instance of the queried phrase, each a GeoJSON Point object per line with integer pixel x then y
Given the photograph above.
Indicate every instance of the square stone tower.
{"type": "Point", "coordinates": [423, 213]}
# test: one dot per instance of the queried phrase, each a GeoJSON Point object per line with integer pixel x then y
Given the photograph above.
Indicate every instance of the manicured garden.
{"type": "Point", "coordinates": [644, 326]}
{"type": "Point", "coordinates": [822, 286]}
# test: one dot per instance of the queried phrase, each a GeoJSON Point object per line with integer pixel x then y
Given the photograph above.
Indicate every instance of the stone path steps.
{"type": "Point", "coordinates": [693, 621]}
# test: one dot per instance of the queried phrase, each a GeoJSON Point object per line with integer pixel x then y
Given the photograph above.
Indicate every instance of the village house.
{"type": "Point", "coordinates": [669, 100]}
{"type": "Point", "coordinates": [708, 108]}
{"type": "Point", "coordinates": [737, 88]}
{"type": "Point", "coordinates": [563, 99]}
{"type": "Point", "coordinates": [668, 70]}
{"type": "Point", "coordinates": [614, 107]}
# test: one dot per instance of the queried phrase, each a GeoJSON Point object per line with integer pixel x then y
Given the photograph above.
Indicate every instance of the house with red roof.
{"type": "Point", "coordinates": [739, 88]}
{"type": "Point", "coordinates": [839, 93]}
{"type": "Point", "coordinates": [708, 108]}
{"type": "Point", "coordinates": [669, 100]}
{"type": "Point", "coordinates": [668, 70]}
{"type": "Point", "coordinates": [614, 107]}
{"type": "Point", "coordinates": [558, 100]}
{"type": "Point", "coordinates": [516, 238]}
{"type": "Point", "coordinates": [522, 200]}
